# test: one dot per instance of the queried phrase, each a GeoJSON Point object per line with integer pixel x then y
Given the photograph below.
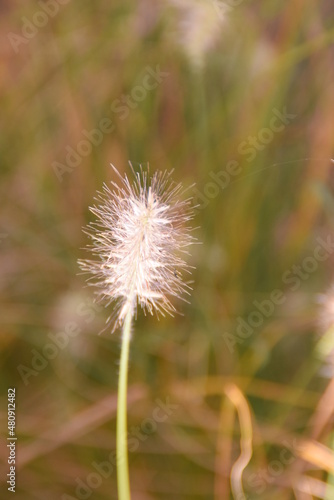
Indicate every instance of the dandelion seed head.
{"type": "Point", "coordinates": [140, 243]}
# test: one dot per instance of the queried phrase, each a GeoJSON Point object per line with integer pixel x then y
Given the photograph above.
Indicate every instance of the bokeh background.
{"type": "Point", "coordinates": [237, 97]}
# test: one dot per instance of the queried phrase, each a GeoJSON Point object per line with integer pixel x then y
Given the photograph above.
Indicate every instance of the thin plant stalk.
{"type": "Point", "coordinates": [141, 237]}
{"type": "Point", "coordinates": [123, 481]}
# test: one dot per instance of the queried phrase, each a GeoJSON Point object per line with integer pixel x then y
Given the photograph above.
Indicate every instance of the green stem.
{"type": "Point", "coordinates": [123, 482]}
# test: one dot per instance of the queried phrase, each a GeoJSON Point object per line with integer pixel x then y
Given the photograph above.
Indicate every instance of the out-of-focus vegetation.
{"type": "Point", "coordinates": [208, 85]}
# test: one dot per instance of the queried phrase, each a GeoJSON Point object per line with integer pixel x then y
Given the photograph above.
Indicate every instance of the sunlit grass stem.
{"type": "Point", "coordinates": [123, 481]}
{"type": "Point", "coordinates": [140, 237]}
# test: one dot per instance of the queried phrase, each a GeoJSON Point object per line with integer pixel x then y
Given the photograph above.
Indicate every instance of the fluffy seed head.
{"type": "Point", "coordinates": [140, 240]}
{"type": "Point", "coordinates": [199, 26]}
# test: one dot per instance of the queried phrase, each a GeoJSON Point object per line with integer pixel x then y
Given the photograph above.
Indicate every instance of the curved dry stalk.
{"type": "Point", "coordinates": [246, 431]}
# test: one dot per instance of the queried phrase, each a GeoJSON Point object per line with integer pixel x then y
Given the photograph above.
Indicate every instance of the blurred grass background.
{"type": "Point", "coordinates": [228, 68]}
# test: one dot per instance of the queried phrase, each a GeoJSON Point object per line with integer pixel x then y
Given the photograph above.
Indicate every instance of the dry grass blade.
{"type": "Point", "coordinates": [246, 431]}
{"type": "Point", "coordinates": [81, 423]}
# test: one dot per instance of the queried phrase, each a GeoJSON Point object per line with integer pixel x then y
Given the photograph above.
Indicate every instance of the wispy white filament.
{"type": "Point", "coordinates": [140, 240]}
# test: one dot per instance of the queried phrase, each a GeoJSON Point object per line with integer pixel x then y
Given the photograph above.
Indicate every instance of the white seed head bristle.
{"type": "Point", "coordinates": [140, 241]}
